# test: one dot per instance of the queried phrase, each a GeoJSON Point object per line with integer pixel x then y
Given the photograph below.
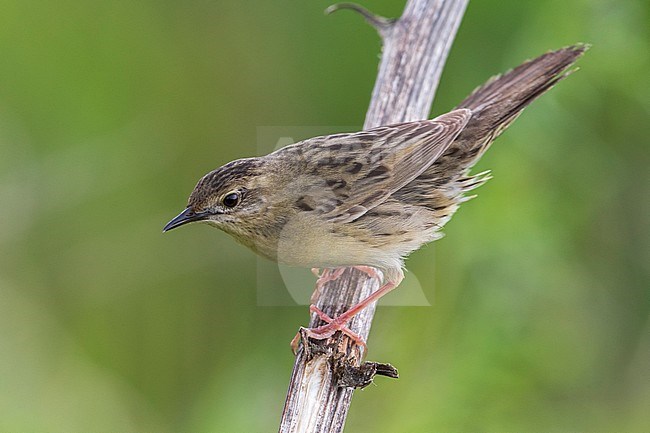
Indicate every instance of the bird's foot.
{"type": "Point", "coordinates": [331, 327]}
{"type": "Point", "coordinates": [339, 323]}
{"type": "Point", "coordinates": [328, 275]}
{"type": "Point", "coordinates": [333, 274]}
{"type": "Point", "coordinates": [324, 278]}
{"type": "Point", "coordinates": [327, 330]}
{"type": "Point", "coordinates": [370, 271]}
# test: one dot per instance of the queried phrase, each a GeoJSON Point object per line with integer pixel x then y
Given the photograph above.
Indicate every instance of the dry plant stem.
{"type": "Point", "coordinates": [325, 373]}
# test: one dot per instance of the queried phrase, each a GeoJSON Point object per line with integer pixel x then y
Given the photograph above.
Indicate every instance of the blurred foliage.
{"type": "Point", "coordinates": [110, 111]}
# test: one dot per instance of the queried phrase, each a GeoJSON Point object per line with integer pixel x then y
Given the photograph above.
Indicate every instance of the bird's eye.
{"type": "Point", "coordinates": [231, 200]}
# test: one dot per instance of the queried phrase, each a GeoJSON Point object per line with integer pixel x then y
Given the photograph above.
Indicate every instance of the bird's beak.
{"type": "Point", "coordinates": [185, 217]}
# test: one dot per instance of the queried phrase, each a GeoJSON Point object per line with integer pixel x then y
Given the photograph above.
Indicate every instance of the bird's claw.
{"type": "Point", "coordinates": [327, 330]}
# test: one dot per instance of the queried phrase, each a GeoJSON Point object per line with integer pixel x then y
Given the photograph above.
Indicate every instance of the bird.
{"type": "Point", "coordinates": [367, 199]}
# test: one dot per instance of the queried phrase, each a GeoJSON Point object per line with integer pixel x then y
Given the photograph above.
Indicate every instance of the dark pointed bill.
{"type": "Point", "coordinates": [185, 217]}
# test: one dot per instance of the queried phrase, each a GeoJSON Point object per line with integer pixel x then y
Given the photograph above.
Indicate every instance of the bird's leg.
{"type": "Point", "coordinates": [329, 275]}
{"type": "Point", "coordinates": [338, 324]}
{"type": "Point", "coordinates": [324, 278]}
{"type": "Point", "coordinates": [327, 319]}
{"type": "Point", "coordinates": [344, 329]}
{"type": "Point", "coordinates": [370, 271]}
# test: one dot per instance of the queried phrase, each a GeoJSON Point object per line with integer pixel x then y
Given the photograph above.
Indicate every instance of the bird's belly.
{"type": "Point", "coordinates": [308, 243]}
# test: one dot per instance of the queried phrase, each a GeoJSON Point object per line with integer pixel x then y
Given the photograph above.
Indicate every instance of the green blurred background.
{"type": "Point", "coordinates": [110, 112]}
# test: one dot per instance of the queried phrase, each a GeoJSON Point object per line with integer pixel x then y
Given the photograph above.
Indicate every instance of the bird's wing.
{"type": "Point", "coordinates": [352, 173]}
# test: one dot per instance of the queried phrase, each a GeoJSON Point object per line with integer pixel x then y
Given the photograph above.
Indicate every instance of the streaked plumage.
{"type": "Point", "coordinates": [370, 197]}
{"type": "Point", "coordinates": [367, 198]}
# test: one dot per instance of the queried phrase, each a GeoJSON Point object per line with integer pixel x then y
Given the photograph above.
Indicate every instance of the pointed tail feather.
{"type": "Point", "coordinates": [497, 103]}
{"type": "Point", "coordinates": [494, 105]}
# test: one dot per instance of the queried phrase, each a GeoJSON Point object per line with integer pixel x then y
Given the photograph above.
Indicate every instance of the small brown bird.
{"type": "Point", "coordinates": [367, 198]}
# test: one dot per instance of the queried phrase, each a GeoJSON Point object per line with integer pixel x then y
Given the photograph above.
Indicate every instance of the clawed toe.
{"type": "Point", "coordinates": [323, 278]}
{"type": "Point", "coordinates": [328, 275]}
{"type": "Point", "coordinates": [339, 323]}
{"type": "Point", "coordinates": [370, 271]}
{"type": "Point", "coordinates": [331, 327]}
{"type": "Point", "coordinates": [326, 331]}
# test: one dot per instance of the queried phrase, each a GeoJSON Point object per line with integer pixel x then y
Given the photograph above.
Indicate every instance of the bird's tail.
{"type": "Point", "coordinates": [497, 103]}
{"type": "Point", "coordinates": [494, 105]}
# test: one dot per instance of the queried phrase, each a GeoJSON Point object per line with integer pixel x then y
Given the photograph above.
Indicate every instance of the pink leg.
{"type": "Point", "coordinates": [330, 275]}
{"type": "Point", "coordinates": [369, 270]}
{"type": "Point", "coordinates": [338, 324]}
{"type": "Point", "coordinates": [344, 329]}
{"type": "Point", "coordinates": [353, 311]}
{"type": "Point", "coordinates": [327, 319]}
{"type": "Point", "coordinates": [324, 278]}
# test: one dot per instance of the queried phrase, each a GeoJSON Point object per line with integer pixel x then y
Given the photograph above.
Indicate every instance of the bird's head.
{"type": "Point", "coordinates": [230, 197]}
